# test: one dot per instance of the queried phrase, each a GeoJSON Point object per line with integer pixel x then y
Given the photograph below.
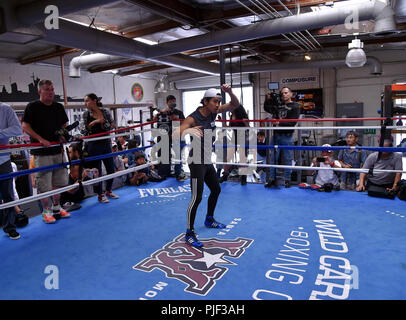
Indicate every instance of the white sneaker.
{"type": "Point", "coordinates": [112, 195]}
{"type": "Point", "coordinates": [102, 198]}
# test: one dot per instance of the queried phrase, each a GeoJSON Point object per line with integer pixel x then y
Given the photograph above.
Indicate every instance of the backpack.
{"type": "Point", "coordinates": [380, 192]}
{"type": "Point", "coordinates": [403, 145]}
{"type": "Point", "coordinates": [401, 189]}
{"type": "Point", "coordinates": [21, 220]}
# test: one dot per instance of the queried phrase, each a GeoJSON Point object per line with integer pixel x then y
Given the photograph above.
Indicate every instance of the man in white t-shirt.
{"type": "Point", "coordinates": [324, 177]}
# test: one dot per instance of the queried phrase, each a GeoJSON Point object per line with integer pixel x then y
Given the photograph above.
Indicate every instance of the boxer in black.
{"type": "Point", "coordinates": [201, 168]}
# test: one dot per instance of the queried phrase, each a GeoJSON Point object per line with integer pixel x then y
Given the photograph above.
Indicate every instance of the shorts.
{"type": "Point", "coordinates": [46, 180]}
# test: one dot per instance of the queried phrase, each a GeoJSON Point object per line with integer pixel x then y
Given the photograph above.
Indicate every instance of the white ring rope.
{"type": "Point", "coordinates": [309, 128]}
{"type": "Point", "coordinates": [356, 170]}
{"type": "Point", "coordinates": [75, 185]}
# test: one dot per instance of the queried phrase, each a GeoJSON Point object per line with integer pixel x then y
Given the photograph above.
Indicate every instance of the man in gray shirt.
{"type": "Point", "coordinates": [388, 161]}
{"type": "Point", "coordinates": [9, 127]}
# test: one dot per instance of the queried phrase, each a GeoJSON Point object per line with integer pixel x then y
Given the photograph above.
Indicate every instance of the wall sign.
{"type": "Point", "coordinates": [137, 92]}
{"type": "Point", "coordinates": [295, 80]}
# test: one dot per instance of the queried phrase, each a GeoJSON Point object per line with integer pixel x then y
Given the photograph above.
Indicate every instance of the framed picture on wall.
{"type": "Point", "coordinates": [310, 101]}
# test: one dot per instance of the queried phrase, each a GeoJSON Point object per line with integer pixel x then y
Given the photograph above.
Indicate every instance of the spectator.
{"type": "Point", "coordinates": [261, 155]}
{"type": "Point", "coordinates": [351, 158]}
{"type": "Point", "coordinates": [165, 118]}
{"type": "Point", "coordinates": [238, 114]}
{"type": "Point", "coordinates": [74, 151]}
{"type": "Point", "coordinates": [118, 166]}
{"type": "Point", "coordinates": [122, 143]}
{"type": "Point", "coordinates": [326, 179]}
{"type": "Point", "coordinates": [386, 161]}
{"type": "Point", "coordinates": [98, 120]}
{"type": "Point", "coordinates": [9, 127]}
{"type": "Point", "coordinates": [289, 110]}
{"type": "Point", "coordinates": [75, 195]}
{"type": "Point", "coordinates": [118, 160]}
{"type": "Point", "coordinates": [15, 193]}
{"type": "Point", "coordinates": [141, 176]}
{"type": "Point", "coordinates": [41, 121]}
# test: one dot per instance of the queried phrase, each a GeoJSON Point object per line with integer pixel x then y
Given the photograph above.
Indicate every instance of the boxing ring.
{"type": "Point", "coordinates": [287, 243]}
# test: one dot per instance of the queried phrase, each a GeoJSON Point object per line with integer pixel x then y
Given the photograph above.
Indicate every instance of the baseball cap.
{"type": "Point", "coordinates": [212, 93]}
{"type": "Point", "coordinates": [327, 145]}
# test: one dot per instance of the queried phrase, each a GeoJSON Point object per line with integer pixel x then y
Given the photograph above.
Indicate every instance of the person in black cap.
{"type": "Point", "coordinates": [201, 168]}
{"type": "Point", "coordinates": [239, 113]}
{"type": "Point", "coordinates": [165, 118]}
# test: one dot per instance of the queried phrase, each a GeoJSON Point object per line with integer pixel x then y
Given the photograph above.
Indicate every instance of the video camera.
{"type": "Point", "coordinates": [64, 132]}
{"type": "Point", "coordinates": [274, 104]}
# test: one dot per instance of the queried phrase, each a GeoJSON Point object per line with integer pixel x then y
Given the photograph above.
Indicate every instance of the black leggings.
{"type": "Point", "coordinates": [96, 148]}
{"type": "Point", "coordinates": [200, 174]}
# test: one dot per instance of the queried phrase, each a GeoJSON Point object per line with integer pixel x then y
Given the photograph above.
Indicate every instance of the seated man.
{"type": "Point", "coordinates": [387, 161]}
{"type": "Point", "coordinates": [351, 158]}
{"type": "Point", "coordinates": [75, 195]}
{"type": "Point", "coordinates": [141, 176]}
{"type": "Point", "coordinates": [326, 179]}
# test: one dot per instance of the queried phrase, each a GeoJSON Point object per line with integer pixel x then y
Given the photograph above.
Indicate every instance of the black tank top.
{"type": "Point", "coordinates": [206, 123]}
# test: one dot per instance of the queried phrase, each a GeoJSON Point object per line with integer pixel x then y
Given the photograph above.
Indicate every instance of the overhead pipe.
{"type": "Point", "coordinates": [382, 13]}
{"type": "Point", "coordinates": [91, 59]}
{"type": "Point", "coordinates": [78, 36]}
{"type": "Point", "coordinates": [374, 63]}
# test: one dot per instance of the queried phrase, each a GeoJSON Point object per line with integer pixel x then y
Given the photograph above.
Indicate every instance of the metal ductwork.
{"type": "Point", "coordinates": [372, 62]}
{"type": "Point", "coordinates": [400, 10]}
{"type": "Point", "coordinates": [74, 35]}
{"type": "Point", "coordinates": [90, 59]}
{"type": "Point", "coordinates": [364, 9]}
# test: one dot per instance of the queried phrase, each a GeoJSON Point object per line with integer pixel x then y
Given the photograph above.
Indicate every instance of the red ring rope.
{"type": "Point", "coordinates": [5, 146]}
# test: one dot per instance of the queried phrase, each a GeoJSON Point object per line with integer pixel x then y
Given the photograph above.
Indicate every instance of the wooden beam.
{"type": "Point", "coordinates": [152, 29]}
{"type": "Point", "coordinates": [145, 69]}
{"type": "Point", "coordinates": [117, 66]}
{"type": "Point", "coordinates": [57, 53]}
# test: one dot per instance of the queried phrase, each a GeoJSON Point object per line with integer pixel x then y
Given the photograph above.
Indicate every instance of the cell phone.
{"type": "Point", "coordinates": [321, 159]}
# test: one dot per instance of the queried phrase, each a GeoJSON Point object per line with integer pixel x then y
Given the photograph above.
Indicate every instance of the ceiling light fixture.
{"type": "Point", "coordinates": [307, 57]}
{"type": "Point", "coordinates": [356, 56]}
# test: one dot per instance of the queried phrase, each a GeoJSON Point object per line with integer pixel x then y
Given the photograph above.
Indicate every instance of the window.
{"type": "Point", "coordinates": [191, 100]}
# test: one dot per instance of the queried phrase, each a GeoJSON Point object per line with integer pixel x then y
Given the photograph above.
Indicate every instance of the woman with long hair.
{"type": "Point", "coordinates": [97, 120]}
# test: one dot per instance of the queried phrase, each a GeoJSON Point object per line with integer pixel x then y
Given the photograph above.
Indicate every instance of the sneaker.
{"type": "Point", "coordinates": [102, 198]}
{"type": "Point", "coordinates": [190, 239]}
{"type": "Point", "coordinates": [211, 223]}
{"type": "Point", "coordinates": [13, 235]}
{"type": "Point", "coordinates": [224, 177]}
{"type": "Point", "coordinates": [270, 184]}
{"type": "Point", "coordinates": [182, 177]}
{"type": "Point", "coordinates": [48, 217]}
{"type": "Point", "coordinates": [112, 195]}
{"type": "Point", "coordinates": [64, 213]}
{"type": "Point", "coordinates": [67, 205]}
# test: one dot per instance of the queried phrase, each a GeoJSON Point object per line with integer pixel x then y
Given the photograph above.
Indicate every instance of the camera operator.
{"type": "Point", "coordinates": [281, 107]}
{"type": "Point", "coordinates": [165, 118]}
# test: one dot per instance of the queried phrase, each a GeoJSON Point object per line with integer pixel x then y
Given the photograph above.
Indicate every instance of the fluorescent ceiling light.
{"type": "Point", "coordinates": [146, 41]}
